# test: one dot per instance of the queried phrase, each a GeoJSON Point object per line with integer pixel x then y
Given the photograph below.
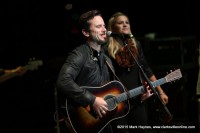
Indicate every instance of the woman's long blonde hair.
{"type": "Point", "coordinates": [115, 45]}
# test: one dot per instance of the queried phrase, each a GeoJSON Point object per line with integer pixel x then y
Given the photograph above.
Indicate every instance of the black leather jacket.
{"type": "Point", "coordinates": [83, 67]}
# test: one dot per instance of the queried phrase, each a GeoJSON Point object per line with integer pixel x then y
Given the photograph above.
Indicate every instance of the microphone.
{"type": "Point", "coordinates": [123, 36]}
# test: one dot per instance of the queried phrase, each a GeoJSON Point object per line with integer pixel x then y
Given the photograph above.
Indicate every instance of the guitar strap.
{"type": "Point", "coordinates": [112, 70]}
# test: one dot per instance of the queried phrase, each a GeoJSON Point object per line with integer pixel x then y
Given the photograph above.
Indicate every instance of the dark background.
{"type": "Point", "coordinates": [47, 31]}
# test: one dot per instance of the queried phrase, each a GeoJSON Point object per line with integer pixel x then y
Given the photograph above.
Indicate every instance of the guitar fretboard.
{"type": "Point", "coordinates": [137, 91]}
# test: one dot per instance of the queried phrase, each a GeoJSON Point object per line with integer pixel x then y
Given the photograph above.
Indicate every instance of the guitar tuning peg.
{"type": "Point", "coordinates": [32, 59]}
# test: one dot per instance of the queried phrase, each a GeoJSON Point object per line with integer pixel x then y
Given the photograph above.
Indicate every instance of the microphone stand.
{"type": "Point", "coordinates": [148, 81]}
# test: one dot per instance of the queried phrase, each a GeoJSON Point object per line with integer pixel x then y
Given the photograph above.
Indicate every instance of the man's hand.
{"type": "Point", "coordinates": [100, 106]}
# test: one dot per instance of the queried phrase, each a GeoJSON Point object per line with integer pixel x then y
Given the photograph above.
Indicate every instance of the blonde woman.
{"type": "Point", "coordinates": [127, 70]}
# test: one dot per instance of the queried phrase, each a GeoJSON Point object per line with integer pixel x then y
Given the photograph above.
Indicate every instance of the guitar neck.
{"type": "Point", "coordinates": [10, 75]}
{"type": "Point", "coordinates": [137, 91]}
{"type": "Point", "coordinates": [32, 65]}
{"type": "Point", "coordinates": [7, 76]}
{"type": "Point", "coordinates": [27, 67]}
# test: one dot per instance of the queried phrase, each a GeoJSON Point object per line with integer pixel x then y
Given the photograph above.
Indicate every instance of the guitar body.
{"type": "Point", "coordinates": [85, 120]}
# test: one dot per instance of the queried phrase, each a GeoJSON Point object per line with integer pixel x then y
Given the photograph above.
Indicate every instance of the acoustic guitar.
{"type": "Point", "coordinates": [84, 119]}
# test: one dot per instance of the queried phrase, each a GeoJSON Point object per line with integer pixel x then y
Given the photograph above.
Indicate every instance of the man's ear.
{"type": "Point", "coordinates": [85, 33]}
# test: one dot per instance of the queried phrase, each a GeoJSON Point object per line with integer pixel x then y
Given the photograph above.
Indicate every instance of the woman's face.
{"type": "Point", "coordinates": [121, 25]}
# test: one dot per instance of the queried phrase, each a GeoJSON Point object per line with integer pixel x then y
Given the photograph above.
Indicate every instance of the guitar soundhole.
{"type": "Point", "coordinates": [111, 101]}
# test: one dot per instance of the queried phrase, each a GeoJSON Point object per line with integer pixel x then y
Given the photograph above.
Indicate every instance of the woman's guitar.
{"type": "Point", "coordinates": [32, 65]}
{"type": "Point", "coordinates": [85, 120]}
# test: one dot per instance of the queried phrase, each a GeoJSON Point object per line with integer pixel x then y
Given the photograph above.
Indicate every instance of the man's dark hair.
{"type": "Point", "coordinates": [85, 17]}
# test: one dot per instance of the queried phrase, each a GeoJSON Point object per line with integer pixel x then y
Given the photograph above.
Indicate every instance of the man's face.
{"type": "Point", "coordinates": [97, 30]}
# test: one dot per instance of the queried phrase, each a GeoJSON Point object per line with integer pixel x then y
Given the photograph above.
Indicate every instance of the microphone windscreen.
{"type": "Point", "coordinates": [109, 33]}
